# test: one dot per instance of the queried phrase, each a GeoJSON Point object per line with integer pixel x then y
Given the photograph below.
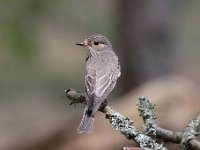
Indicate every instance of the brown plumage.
{"type": "Point", "coordinates": [102, 71]}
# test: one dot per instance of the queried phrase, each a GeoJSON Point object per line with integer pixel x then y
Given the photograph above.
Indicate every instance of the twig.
{"type": "Point", "coordinates": [74, 96]}
{"type": "Point", "coordinates": [148, 114]}
{"type": "Point", "coordinates": [120, 123]}
{"type": "Point", "coordinates": [147, 111]}
{"type": "Point", "coordinates": [190, 133]}
{"type": "Point", "coordinates": [187, 138]}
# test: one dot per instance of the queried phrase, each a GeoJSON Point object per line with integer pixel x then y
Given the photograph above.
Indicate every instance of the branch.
{"type": "Point", "coordinates": [147, 111]}
{"type": "Point", "coordinates": [74, 96]}
{"type": "Point", "coordinates": [187, 137]}
{"type": "Point", "coordinates": [191, 132]}
{"type": "Point", "coordinates": [119, 122]}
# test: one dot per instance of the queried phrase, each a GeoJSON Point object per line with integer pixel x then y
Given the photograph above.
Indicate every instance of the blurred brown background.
{"type": "Point", "coordinates": [157, 43]}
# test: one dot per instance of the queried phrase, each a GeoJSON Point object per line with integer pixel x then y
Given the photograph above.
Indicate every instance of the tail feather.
{"type": "Point", "coordinates": [86, 125]}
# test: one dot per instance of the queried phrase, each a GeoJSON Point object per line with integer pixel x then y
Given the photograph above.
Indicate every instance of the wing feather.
{"type": "Point", "coordinates": [99, 81]}
{"type": "Point", "coordinates": [103, 84]}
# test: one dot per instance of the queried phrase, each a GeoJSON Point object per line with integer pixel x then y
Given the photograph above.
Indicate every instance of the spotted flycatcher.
{"type": "Point", "coordinates": [102, 71]}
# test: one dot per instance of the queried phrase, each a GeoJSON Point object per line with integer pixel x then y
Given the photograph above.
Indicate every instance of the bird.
{"type": "Point", "coordinates": [101, 73]}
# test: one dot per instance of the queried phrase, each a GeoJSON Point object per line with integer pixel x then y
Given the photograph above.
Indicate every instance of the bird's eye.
{"type": "Point", "coordinates": [96, 43]}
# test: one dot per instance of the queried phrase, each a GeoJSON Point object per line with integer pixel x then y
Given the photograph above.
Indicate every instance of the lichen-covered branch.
{"type": "Point", "coordinates": [187, 137]}
{"type": "Point", "coordinates": [119, 122]}
{"type": "Point", "coordinates": [125, 126]}
{"type": "Point", "coordinates": [148, 114]}
{"type": "Point", "coordinates": [190, 133]}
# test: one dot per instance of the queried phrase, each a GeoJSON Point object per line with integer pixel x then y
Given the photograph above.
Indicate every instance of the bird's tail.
{"type": "Point", "coordinates": [86, 125]}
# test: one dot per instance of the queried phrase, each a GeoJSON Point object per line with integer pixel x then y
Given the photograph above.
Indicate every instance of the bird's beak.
{"type": "Point", "coordinates": [82, 44]}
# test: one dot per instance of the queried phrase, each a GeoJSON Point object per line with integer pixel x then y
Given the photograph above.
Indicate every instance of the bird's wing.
{"type": "Point", "coordinates": [97, 87]}
{"type": "Point", "coordinates": [97, 84]}
{"type": "Point", "coordinates": [103, 84]}
{"type": "Point", "coordinates": [90, 83]}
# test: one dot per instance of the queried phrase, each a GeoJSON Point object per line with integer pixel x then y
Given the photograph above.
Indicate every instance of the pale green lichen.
{"type": "Point", "coordinates": [121, 123]}
{"type": "Point", "coordinates": [124, 125]}
{"type": "Point", "coordinates": [190, 132]}
{"type": "Point", "coordinates": [148, 113]}
{"type": "Point", "coordinates": [147, 142]}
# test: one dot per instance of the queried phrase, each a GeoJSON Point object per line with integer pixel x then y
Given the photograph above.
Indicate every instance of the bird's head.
{"type": "Point", "coordinates": [96, 43]}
